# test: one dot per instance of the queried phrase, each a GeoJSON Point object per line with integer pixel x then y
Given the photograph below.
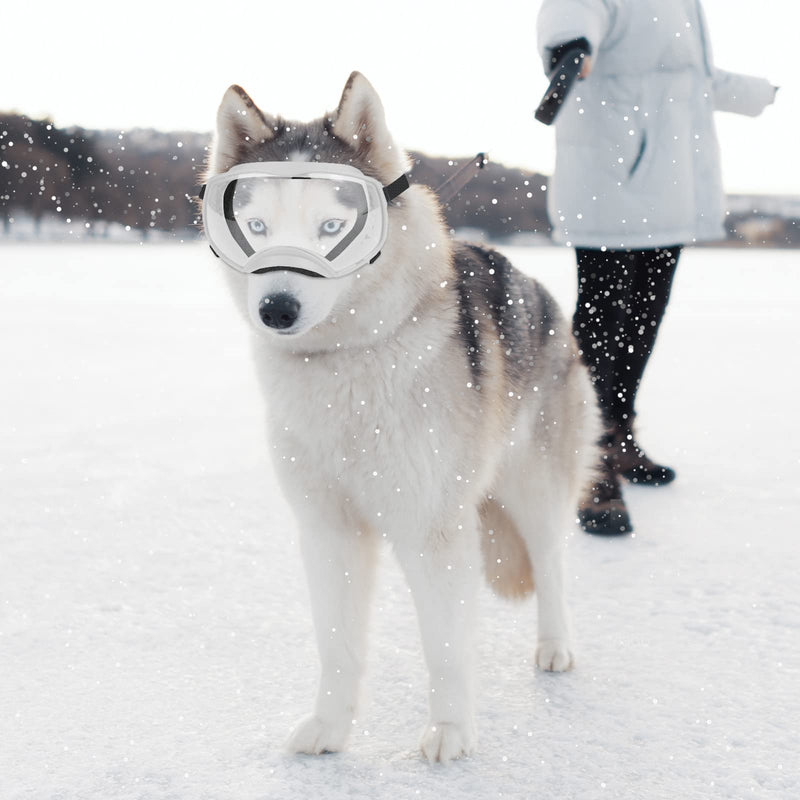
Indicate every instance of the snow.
{"type": "Point", "coordinates": [155, 636]}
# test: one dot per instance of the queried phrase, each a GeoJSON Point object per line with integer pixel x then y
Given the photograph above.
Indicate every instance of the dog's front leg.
{"type": "Point", "coordinates": [442, 573]}
{"type": "Point", "coordinates": [339, 567]}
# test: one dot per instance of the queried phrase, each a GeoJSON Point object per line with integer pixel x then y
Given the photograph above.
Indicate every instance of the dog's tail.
{"type": "Point", "coordinates": [506, 562]}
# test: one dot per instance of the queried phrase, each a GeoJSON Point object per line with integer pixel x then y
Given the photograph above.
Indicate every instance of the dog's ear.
{"type": "Point", "coordinates": [240, 124]}
{"type": "Point", "coordinates": [361, 123]}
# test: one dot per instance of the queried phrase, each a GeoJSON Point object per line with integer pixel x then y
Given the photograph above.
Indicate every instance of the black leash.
{"type": "Point", "coordinates": [456, 182]}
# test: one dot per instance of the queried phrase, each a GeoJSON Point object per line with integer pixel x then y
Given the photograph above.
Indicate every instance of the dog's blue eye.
{"type": "Point", "coordinates": [256, 226]}
{"type": "Point", "coordinates": [331, 227]}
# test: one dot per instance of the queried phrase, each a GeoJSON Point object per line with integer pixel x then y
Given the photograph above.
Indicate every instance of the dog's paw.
{"type": "Point", "coordinates": [554, 655]}
{"type": "Point", "coordinates": [313, 736]}
{"type": "Point", "coordinates": [445, 741]}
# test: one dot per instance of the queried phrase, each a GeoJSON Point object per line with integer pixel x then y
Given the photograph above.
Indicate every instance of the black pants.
{"type": "Point", "coordinates": [622, 296]}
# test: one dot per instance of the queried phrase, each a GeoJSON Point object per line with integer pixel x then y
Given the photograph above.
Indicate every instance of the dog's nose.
{"type": "Point", "coordinates": [279, 310]}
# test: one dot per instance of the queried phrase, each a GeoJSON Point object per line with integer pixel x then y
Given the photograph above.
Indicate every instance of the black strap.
{"type": "Point", "coordinates": [455, 183]}
{"type": "Point", "coordinates": [396, 188]}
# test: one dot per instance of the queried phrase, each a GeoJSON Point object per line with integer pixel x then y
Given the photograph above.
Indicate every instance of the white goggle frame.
{"type": "Point", "coordinates": [360, 245]}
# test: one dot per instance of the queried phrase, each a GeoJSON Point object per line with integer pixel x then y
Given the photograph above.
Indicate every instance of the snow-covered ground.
{"type": "Point", "coordinates": [155, 636]}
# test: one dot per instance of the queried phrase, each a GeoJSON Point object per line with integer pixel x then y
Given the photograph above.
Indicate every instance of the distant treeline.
{"type": "Point", "coordinates": [147, 180]}
{"type": "Point", "coordinates": [141, 179]}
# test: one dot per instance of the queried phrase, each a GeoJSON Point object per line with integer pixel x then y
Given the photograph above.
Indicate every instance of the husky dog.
{"type": "Point", "coordinates": [435, 399]}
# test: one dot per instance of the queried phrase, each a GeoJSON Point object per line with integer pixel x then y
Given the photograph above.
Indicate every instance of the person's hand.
{"type": "Point", "coordinates": [586, 68]}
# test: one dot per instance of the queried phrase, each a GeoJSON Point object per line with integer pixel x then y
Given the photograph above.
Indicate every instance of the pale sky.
{"type": "Point", "coordinates": [455, 78]}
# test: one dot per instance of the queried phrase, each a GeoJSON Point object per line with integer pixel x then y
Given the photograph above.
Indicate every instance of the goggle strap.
{"type": "Point", "coordinates": [396, 188]}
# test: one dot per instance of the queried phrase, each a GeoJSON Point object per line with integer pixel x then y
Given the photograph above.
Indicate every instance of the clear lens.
{"type": "Point", "coordinates": [336, 218]}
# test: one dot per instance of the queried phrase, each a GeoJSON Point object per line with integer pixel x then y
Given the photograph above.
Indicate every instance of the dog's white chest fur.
{"type": "Point", "coordinates": [376, 427]}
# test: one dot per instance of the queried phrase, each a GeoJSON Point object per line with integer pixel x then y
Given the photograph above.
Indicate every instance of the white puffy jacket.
{"type": "Point", "coordinates": [637, 161]}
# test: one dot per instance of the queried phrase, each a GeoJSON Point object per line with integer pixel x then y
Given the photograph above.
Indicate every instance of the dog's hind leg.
{"type": "Point", "coordinates": [340, 565]}
{"type": "Point", "coordinates": [442, 572]}
{"type": "Point", "coordinates": [541, 511]}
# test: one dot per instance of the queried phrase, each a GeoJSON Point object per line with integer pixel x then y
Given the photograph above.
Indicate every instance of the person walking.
{"type": "Point", "coordinates": [637, 176]}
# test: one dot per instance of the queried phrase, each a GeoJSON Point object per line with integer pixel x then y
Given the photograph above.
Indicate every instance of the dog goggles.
{"type": "Point", "coordinates": [324, 220]}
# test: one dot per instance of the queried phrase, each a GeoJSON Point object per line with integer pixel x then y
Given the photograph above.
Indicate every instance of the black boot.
{"type": "Point", "coordinates": [602, 510]}
{"type": "Point", "coordinates": [626, 458]}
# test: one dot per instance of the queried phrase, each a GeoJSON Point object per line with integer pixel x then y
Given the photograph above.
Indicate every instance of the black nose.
{"type": "Point", "coordinates": [279, 310]}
